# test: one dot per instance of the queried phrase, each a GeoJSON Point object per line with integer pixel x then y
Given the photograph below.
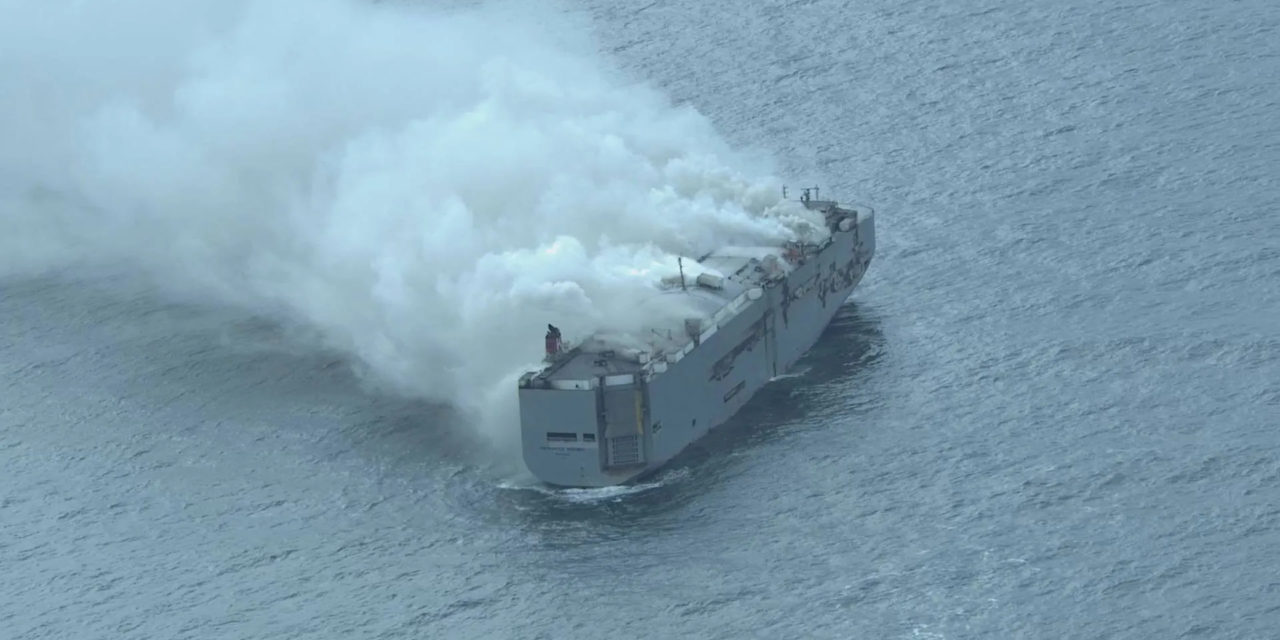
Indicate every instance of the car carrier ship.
{"type": "Point", "coordinates": [597, 416]}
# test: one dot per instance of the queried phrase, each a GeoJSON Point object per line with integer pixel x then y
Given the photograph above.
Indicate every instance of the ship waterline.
{"type": "Point", "coordinates": [599, 416]}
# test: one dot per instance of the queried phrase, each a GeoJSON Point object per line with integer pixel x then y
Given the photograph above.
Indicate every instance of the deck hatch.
{"type": "Point", "coordinates": [624, 419]}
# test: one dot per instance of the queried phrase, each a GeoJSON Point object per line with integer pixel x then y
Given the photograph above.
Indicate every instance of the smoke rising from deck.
{"type": "Point", "coordinates": [426, 189]}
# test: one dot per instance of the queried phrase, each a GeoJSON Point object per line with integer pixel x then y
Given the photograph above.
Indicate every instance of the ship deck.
{"type": "Point", "coordinates": [732, 273]}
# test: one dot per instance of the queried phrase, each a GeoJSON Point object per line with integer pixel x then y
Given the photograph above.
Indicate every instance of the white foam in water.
{"type": "Point", "coordinates": [601, 494]}
{"type": "Point", "coordinates": [426, 189]}
{"type": "Point", "coordinates": [580, 496]}
{"type": "Point", "coordinates": [597, 494]}
{"type": "Point", "coordinates": [794, 374]}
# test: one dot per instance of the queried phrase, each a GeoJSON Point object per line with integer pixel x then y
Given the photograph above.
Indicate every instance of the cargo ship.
{"type": "Point", "coordinates": [598, 415]}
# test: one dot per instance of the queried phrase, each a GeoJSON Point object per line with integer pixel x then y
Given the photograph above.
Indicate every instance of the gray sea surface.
{"type": "Point", "coordinates": [1052, 409]}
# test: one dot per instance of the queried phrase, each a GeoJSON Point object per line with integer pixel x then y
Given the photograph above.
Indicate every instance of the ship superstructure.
{"type": "Point", "coordinates": [598, 415]}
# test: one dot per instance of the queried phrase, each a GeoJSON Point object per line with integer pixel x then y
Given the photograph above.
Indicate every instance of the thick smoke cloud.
{"type": "Point", "coordinates": [424, 188]}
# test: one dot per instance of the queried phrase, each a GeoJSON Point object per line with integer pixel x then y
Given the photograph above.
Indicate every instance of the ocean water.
{"type": "Point", "coordinates": [1050, 411]}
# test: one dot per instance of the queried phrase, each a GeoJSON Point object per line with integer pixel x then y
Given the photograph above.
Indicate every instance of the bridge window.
{"type": "Point", "coordinates": [588, 437]}
{"type": "Point", "coordinates": [557, 436]}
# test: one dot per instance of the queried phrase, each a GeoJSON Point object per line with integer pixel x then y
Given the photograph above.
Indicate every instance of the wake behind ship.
{"type": "Point", "coordinates": [598, 416]}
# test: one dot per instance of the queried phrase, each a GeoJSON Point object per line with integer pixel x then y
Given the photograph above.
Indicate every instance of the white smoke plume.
{"type": "Point", "coordinates": [425, 188]}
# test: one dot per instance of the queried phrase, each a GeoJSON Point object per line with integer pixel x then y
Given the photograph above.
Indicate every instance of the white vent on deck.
{"type": "Point", "coordinates": [711, 280]}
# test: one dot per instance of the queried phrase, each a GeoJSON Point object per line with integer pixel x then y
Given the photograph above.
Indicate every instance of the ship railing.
{"type": "Point", "coordinates": [660, 360]}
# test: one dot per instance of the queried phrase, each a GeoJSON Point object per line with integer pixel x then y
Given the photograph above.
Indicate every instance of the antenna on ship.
{"type": "Point", "coordinates": [784, 192]}
{"type": "Point", "coordinates": [680, 263]}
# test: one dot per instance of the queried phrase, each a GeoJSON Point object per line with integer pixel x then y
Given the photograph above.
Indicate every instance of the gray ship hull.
{"type": "Point", "coordinates": [609, 420]}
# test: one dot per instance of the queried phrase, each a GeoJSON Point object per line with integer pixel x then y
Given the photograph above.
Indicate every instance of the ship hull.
{"type": "Point", "coordinates": [630, 429]}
